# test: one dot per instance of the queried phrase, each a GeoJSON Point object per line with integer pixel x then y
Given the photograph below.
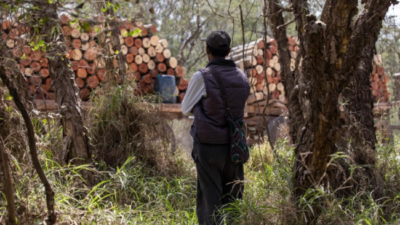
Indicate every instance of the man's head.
{"type": "Point", "coordinates": [218, 44]}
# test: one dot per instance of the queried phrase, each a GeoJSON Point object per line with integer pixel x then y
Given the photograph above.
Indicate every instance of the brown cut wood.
{"type": "Point", "coordinates": [151, 28]}
{"type": "Point", "coordinates": [35, 66]}
{"type": "Point", "coordinates": [79, 82]}
{"type": "Point", "coordinates": [154, 40]}
{"type": "Point", "coordinates": [10, 43]}
{"type": "Point", "coordinates": [171, 62]}
{"type": "Point", "coordinates": [143, 31]}
{"type": "Point", "coordinates": [124, 49]}
{"type": "Point", "coordinates": [101, 74]}
{"type": "Point", "coordinates": [129, 41]}
{"type": "Point", "coordinates": [28, 72]}
{"type": "Point", "coordinates": [81, 73]}
{"type": "Point", "coordinates": [138, 42]}
{"type": "Point", "coordinates": [154, 73]}
{"type": "Point", "coordinates": [179, 72]}
{"type": "Point", "coordinates": [138, 59]}
{"type": "Point", "coordinates": [151, 52]}
{"type": "Point", "coordinates": [91, 54]}
{"type": "Point", "coordinates": [44, 72]}
{"type": "Point", "coordinates": [91, 69]}
{"type": "Point", "coordinates": [92, 81]}
{"type": "Point", "coordinates": [141, 51]}
{"type": "Point", "coordinates": [129, 58]}
{"type": "Point", "coordinates": [146, 58]}
{"type": "Point", "coordinates": [26, 49]}
{"type": "Point", "coordinates": [76, 43]}
{"type": "Point", "coordinates": [133, 67]}
{"type": "Point", "coordinates": [143, 69]}
{"type": "Point", "coordinates": [146, 42]}
{"type": "Point", "coordinates": [84, 37]}
{"type": "Point", "coordinates": [161, 67]}
{"type": "Point", "coordinates": [183, 84]}
{"type": "Point", "coordinates": [44, 62]}
{"type": "Point", "coordinates": [167, 53]}
{"type": "Point", "coordinates": [84, 94]}
{"type": "Point", "coordinates": [159, 58]}
{"type": "Point", "coordinates": [151, 65]}
{"type": "Point", "coordinates": [170, 71]}
{"type": "Point", "coordinates": [74, 65]}
{"type": "Point", "coordinates": [133, 50]}
{"type": "Point", "coordinates": [147, 78]}
{"type": "Point", "coordinates": [17, 52]}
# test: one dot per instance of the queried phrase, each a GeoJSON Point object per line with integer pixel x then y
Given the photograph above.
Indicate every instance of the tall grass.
{"type": "Point", "coordinates": [150, 185]}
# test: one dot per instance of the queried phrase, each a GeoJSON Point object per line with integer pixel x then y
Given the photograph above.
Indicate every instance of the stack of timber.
{"type": "Point", "coordinates": [259, 56]}
{"type": "Point", "coordinates": [261, 64]}
{"type": "Point", "coordinates": [146, 57]}
{"type": "Point", "coordinates": [379, 80]}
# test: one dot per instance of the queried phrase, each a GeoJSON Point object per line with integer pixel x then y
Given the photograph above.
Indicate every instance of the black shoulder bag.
{"type": "Point", "coordinates": [239, 148]}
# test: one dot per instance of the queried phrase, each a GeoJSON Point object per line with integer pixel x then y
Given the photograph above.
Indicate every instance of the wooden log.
{"type": "Point", "coordinates": [159, 48]}
{"type": "Point", "coordinates": [133, 50]}
{"type": "Point", "coordinates": [146, 58]}
{"type": "Point", "coordinates": [272, 87]}
{"type": "Point", "coordinates": [124, 49]}
{"type": "Point", "coordinates": [251, 72]}
{"type": "Point", "coordinates": [179, 72]}
{"type": "Point", "coordinates": [138, 59]}
{"type": "Point", "coordinates": [10, 43]}
{"type": "Point", "coordinates": [66, 30]}
{"type": "Point", "coordinates": [121, 39]}
{"type": "Point", "coordinates": [75, 33]}
{"type": "Point", "coordinates": [90, 54]}
{"type": "Point", "coordinates": [151, 65]}
{"type": "Point", "coordinates": [83, 64]}
{"type": "Point", "coordinates": [129, 58]}
{"type": "Point", "coordinates": [22, 69]}
{"type": "Point", "coordinates": [249, 61]}
{"type": "Point", "coordinates": [138, 42]}
{"type": "Point", "coordinates": [26, 49]}
{"type": "Point", "coordinates": [101, 74]}
{"type": "Point", "coordinates": [28, 72]}
{"type": "Point", "coordinates": [6, 25]}
{"type": "Point", "coordinates": [35, 80]}
{"type": "Point", "coordinates": [259, 69]}
{"type": "Point", "coordinates": [47, 85]}
{"type": "Point", "coordinates": [44, 62]}
{"type": "Point", "coordinates": [92, 81]}
{"type": "Point", "coordinates": [115, 64]}
{"type": "Point", "coordinates": [91, 69]}
{"type": "Point", "coordinates": [260, 78]}
{"type": "Point", "coordinates": [143, 31]}
{"type": "Point", "coordinates": [100, 62]}
{"type": "Point", "coordinates": [85, 46]}
{"type": "Point", "coordinates": [35, 66]}
{"type": "Point", "coordinates": [260, 60]}
{"type": "Point", "coordinates": [77, 54]}
{"type": "Point", "coordinates": [84, 37]}
{"type": "Point", "coordinates": [154, 40]}
{"type": "Point", "coordinates": [26, 61]}
{"type": "Point", "coordinates": [159, 58]}
{"type": "Point", "coordinates": [273, 49]}
{"type": "Point", "coordinates": [164, 43]}
{"type": "Point", "coordinates": [268, 54]}
{"type": "Point", "coordinates": [143, 69]}
{"type": "Point", "coordinates": [81, 73]}
{"type": "Point", "coordinates": [154, 73]}
{"type": "Point", "coordinates": [129, 41]}
{"type": "Point", "coordinates": [151, 52]}
{"type": "Point", "coordinates": [44, 72]}
{"type": "Point", "coordinates": [36, 55]}
{"type": "Point", "coordinates": [380, 70]}
{"type": "Point", "coordinates": [148, 79]}
{"type": "Point", "coordinates": [17, 52]}
{"type": "Point", "coordinates": [141, 51]}
{"type": "Point", "coordinates": [280, 87]}
{"type": "Point", "coordinates": [161, 67]}
{"type": "Point", "coordinates": [170, 71]}
{"type": "Point", "coordinates": [79, 82]}
{"type": "Point", "coordinates": [166, 53]}
{"type": "Point", "coordinates": [171, 62]}
{"type": "Point", "coordinates": [123, 32]}
{"type": "Point", "coordinates": [74, 65]}
{"type": "Point", "coordinates": [255, 97]}
{"type": "Point", "coordinates": [133, 67]}
{"type": "Point", "coordinates": [146, 42]}
{"type": "Point", "coordinates": [93, 44]}
{"type": "Point", "coordinates": [84, 94]}
{"type": "Point", "coordinates": [137, 75]}
{"type": "Point", "coordinates": [183, 84]}
{"type": "Point", "coordinates": [277, 66]}
{"type": "Point", "coordinates": [76, 43]}
{"type": "Point", "coordinates": [181, 96]}
{"type": "Point", "coordinates": [151, 29]}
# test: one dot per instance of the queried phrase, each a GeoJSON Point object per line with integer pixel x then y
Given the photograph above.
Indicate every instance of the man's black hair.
{"type": "Point", "coordinates": [217, 52]}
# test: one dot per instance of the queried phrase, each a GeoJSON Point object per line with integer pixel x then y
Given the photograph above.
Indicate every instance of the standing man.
{"type": "Point", "coordinates": [218, 178]}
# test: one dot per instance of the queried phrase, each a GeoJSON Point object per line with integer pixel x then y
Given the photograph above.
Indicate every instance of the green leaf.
{"type": "Point", "coordinates": [9, 109]}
{"type": "Point", "coordinates": [116, 52]}
{"type": "Point", "coordinates": [23, 56]}
{"type": "Point", "coordinates": [125, 34]}
{"type": "Point", "coordinates": [9, 97]}
{"type": "Point", "coordinates": [103, 9]}
{"type": "Point", "coordinates": [50, 1]}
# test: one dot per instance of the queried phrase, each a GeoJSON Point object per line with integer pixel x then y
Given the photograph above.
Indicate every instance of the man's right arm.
{"type": "Point", "coordinates": [194, 93]}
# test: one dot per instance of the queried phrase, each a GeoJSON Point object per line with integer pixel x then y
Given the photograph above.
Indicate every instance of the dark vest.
{"type": "Point", "coordinates": [210, 124]}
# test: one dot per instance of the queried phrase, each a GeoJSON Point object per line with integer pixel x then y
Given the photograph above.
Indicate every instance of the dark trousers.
{"type": "Point", "coordinates": [218, 180]}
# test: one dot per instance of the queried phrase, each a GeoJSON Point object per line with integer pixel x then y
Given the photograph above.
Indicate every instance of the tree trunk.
{"type": "Point", "coordinates": [328, 53]}
{"type": "Point", "coordinates": [75, 143]}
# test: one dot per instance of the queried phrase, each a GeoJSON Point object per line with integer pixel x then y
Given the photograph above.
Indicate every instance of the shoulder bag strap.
{"type": "Point", "coordinates": [223, 93]}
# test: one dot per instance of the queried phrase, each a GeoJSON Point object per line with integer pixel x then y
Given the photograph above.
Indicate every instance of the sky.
{"type": "Point", "coordinates": [395, 11]}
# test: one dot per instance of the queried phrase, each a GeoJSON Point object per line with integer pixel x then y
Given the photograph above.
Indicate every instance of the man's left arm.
{"type": "Point", "coordinates": [194, 93]}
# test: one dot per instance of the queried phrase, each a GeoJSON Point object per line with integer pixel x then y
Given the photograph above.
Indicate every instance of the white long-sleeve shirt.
{"type": "Point", "coordinates": [194, 93]}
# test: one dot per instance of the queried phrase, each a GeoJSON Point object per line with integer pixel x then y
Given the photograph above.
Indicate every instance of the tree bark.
{"type": "Point", "coordinates": [75, 140]}
{"type": "Point", "coordinates": [8, 184]}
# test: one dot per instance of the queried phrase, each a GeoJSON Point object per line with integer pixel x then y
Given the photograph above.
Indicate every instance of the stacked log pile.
{"type": "Point", "coordinates": [257, 56]}
{"type": "Point", "coordinates": [379, 80]}
{"type": "Point", "coordinates": [146, 56]}
{"type": "Point", "coordinates": [269, 86]}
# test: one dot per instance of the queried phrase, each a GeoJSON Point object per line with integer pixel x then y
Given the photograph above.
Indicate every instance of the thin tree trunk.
{"type": "Point", "coordinates": [8, 184]}
{"type": "Point", "coordinates": [14, 92]}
